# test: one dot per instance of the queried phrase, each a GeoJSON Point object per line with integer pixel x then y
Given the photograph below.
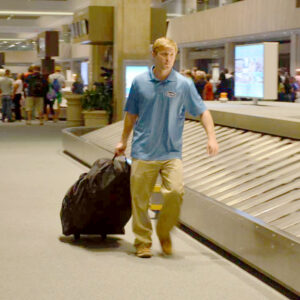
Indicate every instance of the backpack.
{"type": "Point", "coordinates": [36, 86]}
{"type": "Point", "coordinates": [56, 85]}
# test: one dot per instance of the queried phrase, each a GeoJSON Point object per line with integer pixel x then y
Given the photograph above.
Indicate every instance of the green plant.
{"type": "Point", "coordinates": [98, 98]}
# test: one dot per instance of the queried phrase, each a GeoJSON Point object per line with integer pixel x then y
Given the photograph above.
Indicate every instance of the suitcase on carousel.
{"type": "Point", "coordinates": [99, 202]}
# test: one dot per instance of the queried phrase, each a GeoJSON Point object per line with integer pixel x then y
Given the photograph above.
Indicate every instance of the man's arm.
{"type": "Point", "coordinates": [129, 122]}
{"type": "Point", "coordinates": [208, 124]}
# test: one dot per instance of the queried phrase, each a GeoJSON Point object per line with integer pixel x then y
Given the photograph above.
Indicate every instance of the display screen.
{"type": "Point", "coordinates": [249, 71]}
{"type": "Point", "coordinates": [130, 73]}
{"type": "Point", "coordinates": [84, 72]}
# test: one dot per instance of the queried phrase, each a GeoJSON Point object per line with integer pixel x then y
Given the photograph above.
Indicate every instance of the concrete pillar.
{"type": "Point", "coordinates": [229, 56]}
{"type": "Point", "coordinates": [185, 62]}
{"type": "Point", "coordinates": [132, 30]}
{"type": "Point", "coordinates": [97, 53]}
{"type": "Point", "coordinates": [294, 53]}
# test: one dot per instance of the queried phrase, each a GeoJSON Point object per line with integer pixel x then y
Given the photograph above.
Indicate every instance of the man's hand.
{"type": "Point", "coordinates": [120, 149]}
{"type": "Point", "coordinates": [212, 146]}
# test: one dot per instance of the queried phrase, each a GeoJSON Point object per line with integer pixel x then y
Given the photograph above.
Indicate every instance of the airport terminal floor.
{"type": "Point", "coordinates": [38, 262]}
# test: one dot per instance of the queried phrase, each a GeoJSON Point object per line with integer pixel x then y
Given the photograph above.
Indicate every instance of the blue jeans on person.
{"type": "Point", "coordinates": [6, 107]}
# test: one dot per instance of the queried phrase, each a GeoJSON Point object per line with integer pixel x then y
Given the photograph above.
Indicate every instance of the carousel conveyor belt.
{"type": "Point", "coordinates": [246, 199]}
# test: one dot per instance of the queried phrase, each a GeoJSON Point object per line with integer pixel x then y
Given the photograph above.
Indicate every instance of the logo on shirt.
{"type": "Point", "coordinates": [170, 94]}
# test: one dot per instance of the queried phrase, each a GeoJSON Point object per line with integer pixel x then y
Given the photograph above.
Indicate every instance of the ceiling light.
{"type": "Point", "coordinates": [35, 13]}
{"type": "Point", "coordinates": [174, 15]}
{"type": "Point", "coordinates": [11, 39]}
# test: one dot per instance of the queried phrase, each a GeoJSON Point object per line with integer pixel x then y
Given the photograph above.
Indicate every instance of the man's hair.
{"type": "Point", "coordinates": [37, 68]}
{"type": "Point", "coordinates": [164, 42]}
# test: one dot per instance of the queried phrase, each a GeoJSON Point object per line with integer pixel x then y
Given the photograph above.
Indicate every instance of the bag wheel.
{"type": "Point", "coordinates": [76, 236]}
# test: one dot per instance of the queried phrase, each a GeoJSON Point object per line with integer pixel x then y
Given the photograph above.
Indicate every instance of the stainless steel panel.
{"type": "Point", "coordinates": [287, 221]}
{"type": "Point", "coordinates": [272, 203]}
{"type": "Point", "coordinates": [281, 211]}
{"type": "Point", "coordinates": [271, 251]}
{"type": "Point", "coordinates": [294, 230]}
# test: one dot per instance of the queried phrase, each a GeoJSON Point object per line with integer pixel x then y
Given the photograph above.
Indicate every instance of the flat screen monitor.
{"type": "Point", "coordinates": [249, 71]}
{"type": "Point", "coordinates": [256, 68]}
{"type": "Point", "coordinates": [84, 72]}
{"type": "Point", "coordinates": [131, 71]}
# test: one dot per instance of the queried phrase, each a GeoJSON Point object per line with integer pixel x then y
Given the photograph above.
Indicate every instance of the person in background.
{"type": "Point", "coordinates": [155, 109]}
{"type": "Point", "coordinates": [208, 89]}
{"type": "Point", "coordinates": [194, 73]}
{"type": "Point", "coordinates": [17, 95]}
{"type": "Point", "coordinates": [188, 74]}
{"type": "Point", "coordinates": [77, 85]}
{"type": "Point", "coordinates": [200, 82]}
{"type": "Point", "coordinates": [287, 90]}
{"type": "Point", "coordinates": [29, 72]}
{"type": "Point", "coordinates": [48, 103]}
{"type": "Point", "coordinates": [297, 76]}
{"type": "Point", "coordinates": [294, 88]}
{"type": "Point", "coordinates": [280, 91]}
{"type": "Point", "coordinates": [6, 89]}
{"type": "Point", "coordinates": [57, 83]}
{"type": "Point", "coordinates": [35, 91]}
{"type": "Point", "coordinates": [231, 84]}
{"type": "Point", "coordinates": [222, 85]}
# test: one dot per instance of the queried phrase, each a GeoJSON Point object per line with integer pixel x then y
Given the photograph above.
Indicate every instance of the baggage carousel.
{"type": "Point", "coordinates": [246, 199]}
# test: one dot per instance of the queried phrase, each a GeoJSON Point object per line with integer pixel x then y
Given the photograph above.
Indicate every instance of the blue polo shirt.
{"type": "Point", "coordinates": [161, 107]}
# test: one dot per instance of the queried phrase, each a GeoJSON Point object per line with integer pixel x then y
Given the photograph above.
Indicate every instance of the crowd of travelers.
{"type": "Point", "coordinates": [288, 86]}
{"type": "Point", "coordinates": [207, 88]}
{"type": "Point", "coordinates": [39, 95]}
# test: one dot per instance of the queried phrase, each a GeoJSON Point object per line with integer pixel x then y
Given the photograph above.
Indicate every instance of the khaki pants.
{"type": "Point", "coordinates": [142, 181]}
{"type": "Point", "coordinates": [35, 102]}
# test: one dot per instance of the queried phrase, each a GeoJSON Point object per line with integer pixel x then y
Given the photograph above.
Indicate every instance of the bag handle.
{"type": "Point", "coordinates": [126, 159]}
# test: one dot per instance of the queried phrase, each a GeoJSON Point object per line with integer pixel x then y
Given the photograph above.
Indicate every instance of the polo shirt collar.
{"type": "Point", "coordinates": [171, 77]}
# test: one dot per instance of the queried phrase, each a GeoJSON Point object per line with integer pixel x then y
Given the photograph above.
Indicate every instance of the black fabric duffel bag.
{"type": "Point", "coordinates": [99, 202]}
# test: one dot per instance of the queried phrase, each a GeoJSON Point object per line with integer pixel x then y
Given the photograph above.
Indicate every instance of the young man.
{"type": "Point", "coordinates": [6, 89]}
{"type": "Point", "coordinates": [156, 108]}
{"type": "Point", "coordinates": [35, 94]}
{"type": "Point", "coordinates": [57, 82]}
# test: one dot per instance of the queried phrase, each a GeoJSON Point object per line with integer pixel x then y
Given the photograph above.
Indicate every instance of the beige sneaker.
{"type": "Point", "coordinates": [166, 245]}
{"type": "Point", "coordinates": [143, 252]}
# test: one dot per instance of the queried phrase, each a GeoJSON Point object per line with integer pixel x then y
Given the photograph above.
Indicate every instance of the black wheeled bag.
{"type": "Point", "coordinates": [99, 202]}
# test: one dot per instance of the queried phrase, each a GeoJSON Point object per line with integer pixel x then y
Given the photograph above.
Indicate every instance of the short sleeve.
{"type": "Point", "coordinates": [194, 104]}
{"type": "Point", "coordinates": [132, 100]}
